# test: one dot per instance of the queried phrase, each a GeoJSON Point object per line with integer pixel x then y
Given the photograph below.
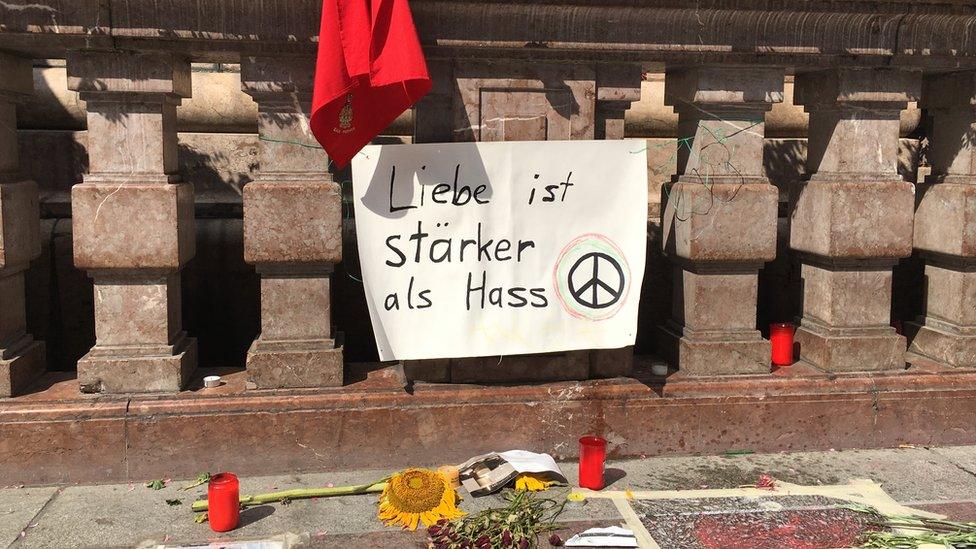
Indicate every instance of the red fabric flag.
{"type": "Point", "coordinates": [369, 70]}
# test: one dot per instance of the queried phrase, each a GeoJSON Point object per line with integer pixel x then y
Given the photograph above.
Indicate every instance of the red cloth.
{"type": "Point", "coordinates": [369, 70]}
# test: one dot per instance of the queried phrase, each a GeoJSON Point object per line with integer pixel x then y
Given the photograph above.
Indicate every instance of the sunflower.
{"type": "Point", "coordinates": [417, 495]}
{"type": "Point", "coordinates": [533, 482]}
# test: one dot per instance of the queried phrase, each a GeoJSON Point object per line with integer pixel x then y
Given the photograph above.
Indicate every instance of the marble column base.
{"type": "Point", "coordinates": [294, 364]}
{"type": "Point", "coordinates": [714, 353]}
{"type": "Point", "coordinates": [850, 349]}
{"type": "Point", "coordinates": [941, 343]}
{"type": "Point", "coordinates": [138, 369]}
{"type": "Point", "coordinates": [20, 365]}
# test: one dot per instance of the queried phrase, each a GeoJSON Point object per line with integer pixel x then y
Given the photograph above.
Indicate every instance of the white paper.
{"type": "Point", "coordinates": [613, 536]}
{"type": "Point", "coordinates": [566, 221]}
{"type": "Point", "coordinates": [531, 462]}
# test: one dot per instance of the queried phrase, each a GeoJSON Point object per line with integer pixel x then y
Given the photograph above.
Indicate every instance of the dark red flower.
{"type": "Point", "coordinates": [555, 540]}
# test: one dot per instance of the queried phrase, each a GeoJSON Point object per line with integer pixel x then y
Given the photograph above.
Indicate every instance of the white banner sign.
{"type": "Point", "coordinates": [479, 249]}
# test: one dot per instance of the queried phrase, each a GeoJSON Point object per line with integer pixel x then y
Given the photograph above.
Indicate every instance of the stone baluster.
{"type": "Point", "coordinates": [292, 231]}
{"type": "Point", "coordinates": [132, 220]}
{"type": "Point", "coordinates": [719, 218]}
{"type": "Point", "coordinates": [21, 358]}
{"type": "Point", "coordinates": [945, 224]}
{"type": "Point", "coordinates": [617, 87]}
{"type": "Point", "coordinates": [852, 218]}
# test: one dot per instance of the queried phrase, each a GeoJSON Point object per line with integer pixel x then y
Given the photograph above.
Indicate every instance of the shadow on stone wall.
{"type": "Point", "coordinates": [221, 294]}
{"type": "Point", "coordinates": [60, 306]}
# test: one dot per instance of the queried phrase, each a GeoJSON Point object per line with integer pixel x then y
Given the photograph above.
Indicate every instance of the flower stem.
{"type": "Point", "coordinates": [300, 493]}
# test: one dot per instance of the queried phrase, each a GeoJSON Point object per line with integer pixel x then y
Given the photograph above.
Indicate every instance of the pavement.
{"type": "Point", "coordinates": [941, 480]}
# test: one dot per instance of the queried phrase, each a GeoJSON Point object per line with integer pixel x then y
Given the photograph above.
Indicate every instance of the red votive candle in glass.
{"type": "Point", "coordinates": [781, 341]}
{"type": "Point", "coordinates": [593, 455]}
{"type": "Point", "coordinates": [223, 502]}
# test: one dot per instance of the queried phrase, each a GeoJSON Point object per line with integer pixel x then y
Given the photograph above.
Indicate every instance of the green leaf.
{"type": "Point", "coordinates": [200, 518]}
{"type": "Point", "coordinates": [157, 484]}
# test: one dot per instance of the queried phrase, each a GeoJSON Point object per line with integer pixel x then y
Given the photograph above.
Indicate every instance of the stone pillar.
{"type": "Point", "coordinates": [292, 231]}
{"type": "Point", "coordinates": [21, 358]}
{"type": "Point", "coordinates": [945, 224]}
{"type": "Point", "coordinates": [852, 218]}
{"type": "Point", "coordinates": [719, 218]}
{"type": "Point", "coordinates": [617, 87]}
{"type": "Point", "coordinates": [132, 220]}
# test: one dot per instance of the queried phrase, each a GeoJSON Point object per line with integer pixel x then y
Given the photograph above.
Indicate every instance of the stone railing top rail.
{"type": "Point", "coordinates": [937, 35]}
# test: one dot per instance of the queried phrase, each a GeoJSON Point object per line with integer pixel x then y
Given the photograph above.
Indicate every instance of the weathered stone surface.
{"type": "Point", "coordinates": [294, 367]}
{"type": "Point", "coordinates": [941, 344]}
{"type": "Point", "coordinates": [21, 358]}
{"type": "Point", "coordinates": [134, 138]}
{"type": "Point", "coordinates": [515, 101]}
{"type": "Point", "coordinates": [132, 226]}
{"type": "Point", "coordinates": [13, 322]}
{"type": "Point", "coordinates": [847, 295]}
{"type": "Point", "coordinates": [853, 219]}
{"type": "Point", "coordinates": [292, 222]}
{"type": "Point", "coordinates": [719, 357]}
{"type": "Point", "coordinates": [612, 362]}
{"type": "Point", "coordinates": [951, 102]}
{"type": "Point", "coordinates": [715, 299]}
{"type": "Point", "coordinates": [720, 221]}
{"type": "Point", "coordinates": [951, 293]}
{"type": "Point", "coordinates": [126, 370]}
{"type": "Point", "coordinates": [376, 423]}
{"type": "Point", "coordinates": [16, 73]}
{"type": "Point", "coordinates": [719, 218]}
{"type": "Point", "coordinates": [854, 118]}
{"type": "Point", "coordinates": [850, 350]}
{"type": "Point", "coordinates": [295, 305]}
{"type": "Point", "coordinates": [19, 224]}
{"type": "Point", "coordinates": [432, 370]}
{"type": "Point", "coordinates": [945, 218]}
{"type": "Point", "coordinates": [20, 367]}
{"type": "Point", "coordinates": [292, 231]}
{"type": "Point", "coordinates": [132, 312]}
{"type": "Point", "coordinates": [945, 225]}
{"type": "Point", "coordinates": [136, 72]}
{"type": "Point", "coordinates": [133, 221]}
{"type": "Point", "coordinates": [736, 87]}
{"type": "Point", "coordinates": [219, 105]}
{"type": "Point", "coordinates": [571, 365]}
{"type": "Point", "coordinates": [853, 216]}
{"type": "Point", "coordinates": [866, 85]}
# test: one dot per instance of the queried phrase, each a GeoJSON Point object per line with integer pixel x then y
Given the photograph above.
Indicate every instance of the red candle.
{"type": "Point", "coordinates": [781, 340]}
{"type": "Point", "coordinates": [223, 502]}
{"type": "Point", "coordinates": [593, 454]}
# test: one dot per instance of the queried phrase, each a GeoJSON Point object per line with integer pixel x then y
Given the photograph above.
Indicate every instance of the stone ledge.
{"type": "Point", "coordinates": [817, 32]}
{"type": "Point", "coordinates": [376, 422]}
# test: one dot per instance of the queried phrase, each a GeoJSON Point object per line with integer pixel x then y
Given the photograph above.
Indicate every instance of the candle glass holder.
{"type": "Point", "coordinates": [593, 455]}
{"type": "Point", "coordinates": [781, 343]}
{"type": "Point", "coordinates": [223, 502]}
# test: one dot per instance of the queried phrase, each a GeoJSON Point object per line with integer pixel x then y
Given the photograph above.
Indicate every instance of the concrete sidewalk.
{"type": "Point", "coordinates": [941, 480]}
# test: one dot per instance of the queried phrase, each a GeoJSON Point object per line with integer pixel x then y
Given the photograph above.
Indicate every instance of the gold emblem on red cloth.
{"type": "Point", "coordinates": [345, 117]}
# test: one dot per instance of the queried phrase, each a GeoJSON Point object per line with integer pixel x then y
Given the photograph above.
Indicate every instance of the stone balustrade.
{"type": "Point", "coordinates": [516, 71]}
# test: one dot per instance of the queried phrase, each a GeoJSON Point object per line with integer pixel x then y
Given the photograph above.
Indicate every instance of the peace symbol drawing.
{"type": "Point", "coordinates": [591, 277]}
